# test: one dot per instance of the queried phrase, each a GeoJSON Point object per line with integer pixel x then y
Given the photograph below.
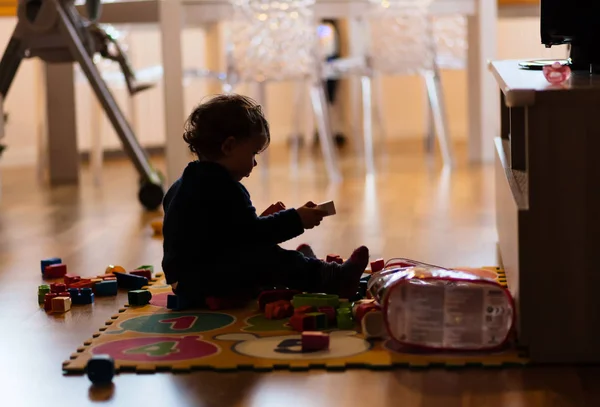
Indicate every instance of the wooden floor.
{"type": "Point", "coordinates": [412, 209]}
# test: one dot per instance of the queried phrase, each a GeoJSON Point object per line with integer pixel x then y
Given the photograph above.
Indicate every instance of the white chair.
{"type": "Point", "coordinates": [400, 40]}
{"type": "Point", "coordinates": [273, 41]}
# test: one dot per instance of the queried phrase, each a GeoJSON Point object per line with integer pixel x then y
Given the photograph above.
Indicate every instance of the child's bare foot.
{"type": "Point", "coordinates": [306, 250]}
{"type": "Point", "coordinates": [343, 279]}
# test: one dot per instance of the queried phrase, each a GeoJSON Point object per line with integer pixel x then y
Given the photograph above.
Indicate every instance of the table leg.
{"type": "Point", "coordinates": [63, 155]}
{"type": "Point", "coordinates": [482, 91]}
{"type": "Point", "coordinates": [171, 22]}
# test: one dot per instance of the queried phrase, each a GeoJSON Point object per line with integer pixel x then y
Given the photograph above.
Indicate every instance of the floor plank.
{"type": "Point", "coordinates": [411, 209]}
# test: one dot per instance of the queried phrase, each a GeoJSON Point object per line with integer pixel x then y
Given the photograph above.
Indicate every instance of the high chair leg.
{"type": "Point", "coordinates": [319, 104]}
{"type": "Point", "coordinates": [368, 124]}
{"type": "Point", "coordinates": [434, 90]}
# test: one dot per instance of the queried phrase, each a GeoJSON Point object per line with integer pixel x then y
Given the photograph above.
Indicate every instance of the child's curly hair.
{"type": "Point", "coordinates": [223, 116]}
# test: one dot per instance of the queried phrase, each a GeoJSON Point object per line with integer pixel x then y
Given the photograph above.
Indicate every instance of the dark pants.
{"type": "Point", "coordinates": [247, 273]}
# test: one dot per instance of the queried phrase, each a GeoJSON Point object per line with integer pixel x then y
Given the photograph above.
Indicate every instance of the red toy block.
{"type": "Point", "coordinates": [69, 279]}
{"type": "Point", "coordinates": [55, 271]}
{"type": "Point", "coordinates": [331, 314]}
{"type": "Point", "coordinates": [143, 273]}
{"type": "Point", "coordinates": [266, 297]}
{"type": "Point", "coordinates": [303, 322]}
{"type": "Point", "coordinates": [334, 258]}
{"type": "Point", "coordinates": [363, 309]}
{"type": "Point", "coordinates": [48, 301]}
{"type": "Point", "coordinates": [279, 310]}
{"type": "Point", "coordinates": [377, 265]}
{"type": "Point", "coordinates": [83, 283]}
{"type": "Point", "coordinates": [64, 294]}
{"type": "Point", "coordinates": [314, 341]}
{"type": "Point", "coordinates": [305, 309]}
{"type": "Point", "coordinates": [58, 288]}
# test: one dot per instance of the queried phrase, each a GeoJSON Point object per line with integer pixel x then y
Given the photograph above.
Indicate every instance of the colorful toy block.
{"type": "Point", "coordinates": [47, 262]}
{"type": "Point", "coordinates": [146, 267]}
{"type": "Point", "coordinates": [373, 326]}
{"type": "Point", "coordinates": [48, 301]}
{"type": "Point", "coordinates": [55, 271]}
{"type": "Point", "coordinates": [330, 313]}
{"type": "Point", "coordinates": [143, 273]}
{"type": "Point", "coordinates": [314, 341]}
{"type": "Point", "coordinates": [377, 265]}
{"type": "Point", "coordinates": [85, 296]}
{"type": "Point", "coordinates": [64, 294]}
{"type": "Point", "coordinates": [365, 308]}
{"type": "Point", "coordinates": [58, 288]}
{"type": "Point", "coordinates": [177, 302]}
{"type": "Point", "coordinates": [316, 300]}
{"type": "Point", "coordinates": [106, 287]}
{"type": "Point", "coordinates": [61, 304]}
{"type": "Point", "coordinates": [42, 291]}
{"type": "Point", "coordinates": [305, 309]}
{"type": "Point", "coordinates": [107, 276]}
{"type": "Point", "coordinates": [139, 297]}
{"type": "Point", "coordinates": [269, 296]}
{"type": "Point", "coordinates": [344, 318]}
{"type": "Point", "coordinates": [73, 292]}
{"type": "Point", "coordinates": [83, 283]}
{"type": "Point", "coordinates": [345, 304]}
{"type": "Point", "coordinates": [114, 269]}
{"type": "Point", "coordinates": [279, 310]}
{"type": "Point", "coordinates": [303, 322]}
{"type": "Point", "coordinates": [320, 320]}
{"type": "Point", "coordinates": [100, 369]}
{"type": "Point", "coordinates": [69, 279]}
{"type": "Point", "coordinates": [334, 258]}
{"type": "Point", "coordinates": [130, 281]}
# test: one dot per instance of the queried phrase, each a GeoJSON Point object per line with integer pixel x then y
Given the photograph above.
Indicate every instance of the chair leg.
{"type": "Point", "coordinates": [378, 106]}
{"type": "Point", "coordinates": [436, 100]}
{"type": "Point", "coordinates": [356, 115]}
{"type": "Point", "coordinates": [96, 147]}
{"type": "Point", "coordinates": [429, 124]}
{"type": "Point", "coordinates": [319, 104]}
{"type": "Point", "coordinates": [368, 124]}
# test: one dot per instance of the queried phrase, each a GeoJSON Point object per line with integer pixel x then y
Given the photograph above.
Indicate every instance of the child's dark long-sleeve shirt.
{"type": "Point", "coordinates": [210, 225]}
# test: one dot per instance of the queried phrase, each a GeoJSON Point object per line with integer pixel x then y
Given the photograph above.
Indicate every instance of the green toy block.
{"type": "Point", "coordinates": [320, 320]}
{"type": "Point", "coordinates": [316, 300]}
{"type": "Point", "coordinates": [139, 297]}
{"type": "Point", "coordinates": [42, 291]}
{"type": "Point", "coordinates": [345, 304]}
{"type": "Point", "coordinates": [146, 267]}
{"type": "Point", "coordinates": [344, 318]}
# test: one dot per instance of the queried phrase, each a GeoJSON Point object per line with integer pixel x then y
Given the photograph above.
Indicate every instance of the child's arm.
{"type": "Point", "coordinates": [271, 229]}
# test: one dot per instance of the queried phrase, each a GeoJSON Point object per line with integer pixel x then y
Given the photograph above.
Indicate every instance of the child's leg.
{"type": "Point", "coordinates": [293, 269]}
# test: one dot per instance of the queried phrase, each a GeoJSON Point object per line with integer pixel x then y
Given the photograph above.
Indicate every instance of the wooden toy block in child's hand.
{"type": "Point", "coordinates": [328, 207]}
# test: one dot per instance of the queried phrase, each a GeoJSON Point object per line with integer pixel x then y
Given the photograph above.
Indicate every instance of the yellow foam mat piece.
{"type": "Point", "coordinates": [153, 338]}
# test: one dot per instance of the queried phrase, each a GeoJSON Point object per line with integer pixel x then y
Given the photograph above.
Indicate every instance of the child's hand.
{"type": "Point", "coordinates": [310, 216]}
{"type": "Point", "coordinates": [274, 208]}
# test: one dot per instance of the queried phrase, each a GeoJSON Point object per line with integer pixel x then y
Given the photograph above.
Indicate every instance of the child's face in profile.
{"type": "Point", "coordinates": [240, 155]}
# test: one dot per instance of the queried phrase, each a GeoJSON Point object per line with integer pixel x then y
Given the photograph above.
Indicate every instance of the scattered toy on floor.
{"type": "Point", "coordinates": [100, 369]}
{"type": "Point", "coordinates": [139, 297]}
{"type": "Point", "coordinates": [314, 341]}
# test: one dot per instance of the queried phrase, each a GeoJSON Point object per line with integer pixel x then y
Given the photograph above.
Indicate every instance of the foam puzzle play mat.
{"type": "Point", "coordinates": [156, 338]}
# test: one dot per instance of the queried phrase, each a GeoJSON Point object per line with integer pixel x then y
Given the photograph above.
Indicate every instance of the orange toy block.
{"type": "Point", "coordinates": [61, 304]}
{"type": "Point", "coordinates": [279, 310]}
{"type": "Point", "coordinates": [83, 283]}
{"type": "Point", "coordinates": [114, 269]}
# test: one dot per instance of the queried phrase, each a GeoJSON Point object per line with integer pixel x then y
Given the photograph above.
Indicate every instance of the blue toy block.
{"type": "Point", "coordinates": [100, 369]}
{"type": "Point", "coordinates": [105, 288]}
{"type": "Point", "coordinates": [139, 297]}
{"type": "Point", "coordinates": [86, 296]}
{"type": "Point", "coordinates": [177, 302]}
{"type": "Point", "coordinates": [130, 281]}
{"type": "Point", "coordinates": [48, 262]}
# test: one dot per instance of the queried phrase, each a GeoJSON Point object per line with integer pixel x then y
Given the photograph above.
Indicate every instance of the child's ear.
{"type": "Point", "coordinates": [228, 146]}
